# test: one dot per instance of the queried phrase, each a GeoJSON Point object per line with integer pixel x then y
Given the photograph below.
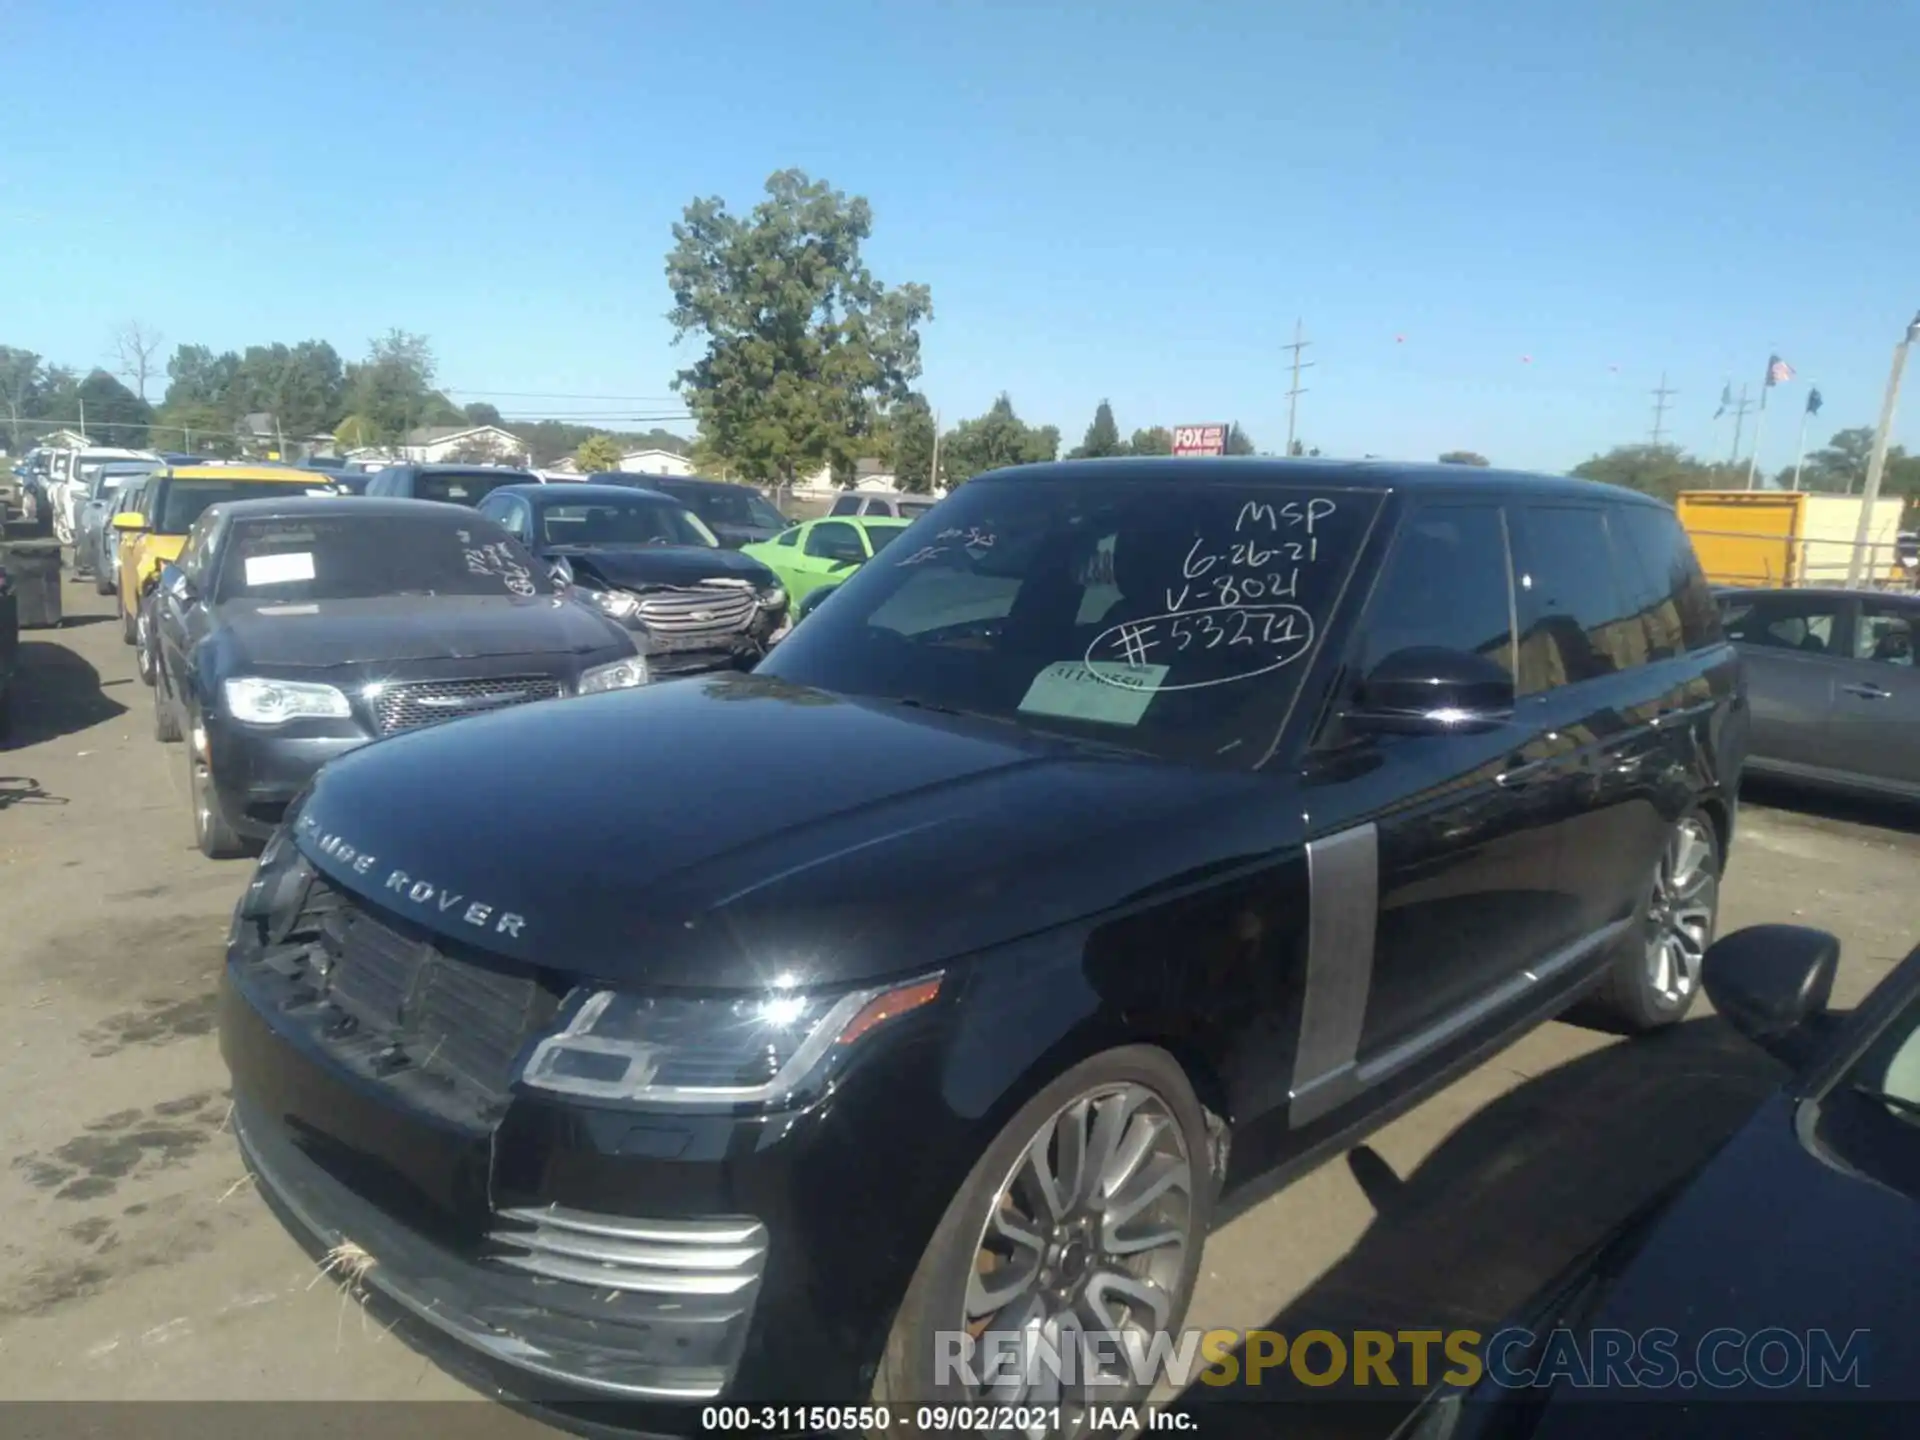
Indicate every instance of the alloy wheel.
{"type": "Point", "coordinates": [1088, 1235]}
{"type": "Point", "coordinates": [1682, 911]}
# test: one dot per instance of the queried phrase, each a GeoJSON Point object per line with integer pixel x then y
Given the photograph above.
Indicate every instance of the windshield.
{"type": "Point", "coordinates": [467, 489]}
{"type": "Point", "coordinates": [623, 522]}
{"type": "Point", "coordinates": [182, 501]}
{"type": "Point", "coordinates": [734, 506]}
{"type": "Point", "coordinates": [914, 509]}
{"type": "Point", "coordinates": [108, 479]}
{"type": "Point", "coordinates": [358, 557]}
{"type": "Point", "coordinates": [1173, 619]}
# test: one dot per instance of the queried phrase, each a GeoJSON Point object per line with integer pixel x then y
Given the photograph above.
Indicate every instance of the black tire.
{"type": "Point", "coordinates": [129, 635]}
{"type": "Point", "coordinates": [6, 711]}
{"type": "Point", "coordinates": [1639, 993]}
{"type": "Point", "coordinates": [103, 583]}
{"type": "Point", "coordinates": [145, 660]}
{"type": "Point", "coordinates": [166, 724]}
{"type": "Point", "coordinates": [217, 839]}
{"type": "Point", "coordinates": [936, 1298]}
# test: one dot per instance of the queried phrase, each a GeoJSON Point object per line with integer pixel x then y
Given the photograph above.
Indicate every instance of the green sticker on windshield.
{"type": "Point", "coordinates": [1104, 692]}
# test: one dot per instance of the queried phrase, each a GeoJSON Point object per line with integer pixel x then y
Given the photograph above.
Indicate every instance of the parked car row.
{"type": "Point", "coordinates": [1260, 799]}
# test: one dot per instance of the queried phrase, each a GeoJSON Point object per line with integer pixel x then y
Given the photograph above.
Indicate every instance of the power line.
{"type": "Point", "coordinates": [1660, 410]}
{"type": "Point", "coordinates": [1293, 395]}
{"type": "Point", "coordinates": [554, 395]}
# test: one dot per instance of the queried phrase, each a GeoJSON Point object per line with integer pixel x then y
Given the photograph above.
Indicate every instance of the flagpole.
{"type": "Point", "coordinates": [1759, 424]}
{"type": "Point", "coordinates": [1801, 458]}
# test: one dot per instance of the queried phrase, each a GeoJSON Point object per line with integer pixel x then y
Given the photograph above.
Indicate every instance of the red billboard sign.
{"type": "Point", "coordinates": [1200, 439]}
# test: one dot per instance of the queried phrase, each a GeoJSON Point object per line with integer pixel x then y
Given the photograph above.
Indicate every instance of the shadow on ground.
{"type": "Point", "coordinates": [56, 693]}
{"type": "Point", "coordinates": [1505, 1203]}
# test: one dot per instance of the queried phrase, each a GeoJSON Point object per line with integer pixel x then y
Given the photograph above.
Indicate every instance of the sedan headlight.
{"type": "Point", "coordinates": [272, 702]}
{"type": "Point", "coordinates": [620, 675]}
{"type": "Point", "coordinates": [761, 1049]}
{"type": "Point", "coordinates": [617, 603]}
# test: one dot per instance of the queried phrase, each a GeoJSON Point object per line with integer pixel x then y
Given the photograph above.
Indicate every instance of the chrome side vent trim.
{"type": "Point", "coordinates": [616, 1252]}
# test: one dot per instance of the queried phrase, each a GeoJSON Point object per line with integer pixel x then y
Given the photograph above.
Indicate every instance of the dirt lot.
{"type": "Point", "coordinates": [138, 1263]}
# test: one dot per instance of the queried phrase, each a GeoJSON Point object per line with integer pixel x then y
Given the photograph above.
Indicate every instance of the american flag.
{"type": "Point", "coordinates": [1778, 371]}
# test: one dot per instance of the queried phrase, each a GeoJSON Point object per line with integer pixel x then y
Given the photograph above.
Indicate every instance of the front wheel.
{"type": "Point", "coordinates": [1084, 1218]}
{"type": "Point", "coordinates": [1657, 976]}
{"type": "Point", "coordinates": [216, 838]}
{"type": "Point", "coordinates": [144, 640]}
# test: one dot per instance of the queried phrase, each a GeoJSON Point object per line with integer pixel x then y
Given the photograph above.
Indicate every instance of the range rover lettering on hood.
{"type": "Point", "coordinates": [424, 894]}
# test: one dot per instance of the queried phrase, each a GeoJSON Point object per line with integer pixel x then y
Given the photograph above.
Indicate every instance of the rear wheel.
{"type": "Point", "coordinates": [166, 724]}
{"type": "Point", "coordinates": [1086, 1215]}
{"type": "Point", "coordinates": [129, 624]}
{"type": "Point", "coordinates": [1657, 976]}
{"type": "Point", "coordinates": [143, 640]}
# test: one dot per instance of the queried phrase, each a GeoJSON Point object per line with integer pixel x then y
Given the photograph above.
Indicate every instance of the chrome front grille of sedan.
{"type": "Point", "coordinates": [617, 1252]}
{"type": "Point", "coordinates": [427, 702]}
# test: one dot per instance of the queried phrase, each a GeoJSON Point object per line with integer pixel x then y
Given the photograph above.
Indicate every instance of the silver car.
{"type": "Point", "coordinates": [1833, 685]}
{"type": "Point", "coordinates": [101, 500]}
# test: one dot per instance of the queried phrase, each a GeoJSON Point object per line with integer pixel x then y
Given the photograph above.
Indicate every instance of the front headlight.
{"type": "Point", "coordinates": [773, 597]}
{"type": "Point", "coordinates": [270, 702]}
{"type": "Point", "coordinates": [617, 603]}
{"type": "Point", "coordinates": [624, 674]}
{"type": "Point", "coordinates": [752, 1050]}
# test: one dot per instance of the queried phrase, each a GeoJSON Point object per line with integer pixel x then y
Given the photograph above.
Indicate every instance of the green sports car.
{"type": "Point", "coordinates": [824, 552]}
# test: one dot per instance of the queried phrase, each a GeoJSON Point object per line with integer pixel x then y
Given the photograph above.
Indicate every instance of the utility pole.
{"type": "Point", "coordinates": [933, 473]}
{"type": "Point", "coordinates": [1877, 465]}
{"type": "Point", "coordinates": [83, 418]}
{"type": "Point", "coordinates": [1660, 410]}
{"type": "Point", "coordinates": [1293, 395]}
{"type": "Point", "coordinates": [1739, 419]}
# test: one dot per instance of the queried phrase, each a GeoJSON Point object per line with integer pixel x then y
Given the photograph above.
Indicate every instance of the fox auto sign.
{"type": "Point", "coordinates": [1200, 439]}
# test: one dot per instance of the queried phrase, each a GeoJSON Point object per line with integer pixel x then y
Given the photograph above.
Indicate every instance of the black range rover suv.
{"type": "Point", "coordinates": [1136, 834]}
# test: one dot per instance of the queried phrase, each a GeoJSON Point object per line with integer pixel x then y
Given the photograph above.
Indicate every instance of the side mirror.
{"type": "Point", "coordinates": [128, 520]}
{"type": "Point", "coordinates": [1773, 982]}
{"type": "Point", "coordinates": [1427, 690]}
{"type": "Point", "coordinates": [174, 581]}
{"type": "Point", "coordinates": [560, 574]}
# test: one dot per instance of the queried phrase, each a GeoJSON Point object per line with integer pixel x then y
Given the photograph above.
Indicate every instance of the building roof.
{"type": "Point", "coordinates": [434, 434]}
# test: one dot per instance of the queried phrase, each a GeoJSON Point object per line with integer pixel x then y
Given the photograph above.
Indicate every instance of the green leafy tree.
{"type": "Point", "coordinates": [115, 415]}
{"type": "Point", "coordinates": [193, 426]}
{"type": "Point", "coordinates": [1659, 470]}
{"type": "Point", "coordinates": [1238, 441]}
{"type": "Point", "coordinates": [1156, 440]}
{"type": "Point", "coordinates": [1841, 464]}
{"type": "Point", "coordinates": [1102, 437]}
{"type": "Point", "coordinates": [391, 391]}
{"type": "Point", "coordinates": [803, 345]}
{"type": "Point", "coordinates": [909, 447]}
{"type": "Point", "coordinates": [481, 413]}
{"type": "Point", "coordinates": [1300, 449]}
{"type": "Point", "coordinates": [1463, 457]}
{"type": "Point", "coordinates": [20, 375]}
{"type": "Point", "coordinates": [994, 441]}
{"type": "Point", "coordinates": [197, 376]}
{"type": "Point", "coordinates": [597, 453]}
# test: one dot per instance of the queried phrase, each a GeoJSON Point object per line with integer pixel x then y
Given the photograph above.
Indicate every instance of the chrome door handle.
{"type": "Point", "coordinates": [1868, 692]}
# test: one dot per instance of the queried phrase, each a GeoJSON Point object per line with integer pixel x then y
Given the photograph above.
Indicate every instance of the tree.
{"type": "Point", "coordinates": [597, 453]}
{"type": "Point", "coordinates": [1300, 448]}
{"type": "Point", "coordinates": [192, 425]}
{"type": "Point", "coordinates": [114, 413]}
{"type": "Point", "coordinates": [135, 345]}
{"type": "Point", "coordinates": [994, 441]}
{"type": "Point", "coordinates": [1238, 441]}
{"type": "Point", "coordinates": [19, 388]}
{"type": "Point", "coordinates": [391, 391]}
{"type": "Point", "coordinates": [484, 450]}
{"type": "Point", "coordinates": [1659, 470]}
{"type": "Point", "coordinates": [196, 376]}
{"type": "Point", "coordinates": [481, 413]}
{"type": "Point", "coordinates": [1157, 440]}
{"type": "Point", "coordinates": [1102, 438]}
{"type": "Point", "coordinates": [910, 447]}
{"type": "Point", "coordinates": [1463, 457]}
{"type": "Point", "coordinates": [803, 345]}
{"type": "Point", "coordinates": [1841, 465]}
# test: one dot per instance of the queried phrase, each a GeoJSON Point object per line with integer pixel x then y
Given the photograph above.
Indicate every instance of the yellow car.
{"type": "Point", "coordinates": [156, 534]}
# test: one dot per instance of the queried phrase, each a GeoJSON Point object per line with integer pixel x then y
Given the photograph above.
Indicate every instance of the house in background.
{"type": "Point", "coordinates": [655, 462]}
{"type": "Point", "coordinates": [868, 476]}
{"type": "Point", "coordinates": [472, 444]}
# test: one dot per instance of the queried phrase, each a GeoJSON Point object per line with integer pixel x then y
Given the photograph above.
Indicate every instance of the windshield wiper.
{"type": "Point", "coordinates": [1908, 1108]}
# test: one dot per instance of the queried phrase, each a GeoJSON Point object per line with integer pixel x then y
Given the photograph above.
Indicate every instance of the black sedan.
{"type": "Point", "coordinates": [1780, 1278]}
{"type": "Point", "coordinates": [294, 630]}
{"type": "Point", "coordinates": [653, 565]}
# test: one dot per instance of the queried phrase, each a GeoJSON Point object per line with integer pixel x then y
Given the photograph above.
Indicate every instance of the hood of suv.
{"type": "Point", "coordinates": [699, 833]}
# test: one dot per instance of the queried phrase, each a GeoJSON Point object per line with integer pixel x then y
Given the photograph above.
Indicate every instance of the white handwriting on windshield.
{"type": "Point", "coordinates": [497, 559]}
{"type": "Point", "coordinates": [1260, 565]}
{"type": "Point", "coordinates": [1250, 640]}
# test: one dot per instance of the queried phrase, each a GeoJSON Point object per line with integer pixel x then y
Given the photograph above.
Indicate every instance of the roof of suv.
{"type": "Point", "coordinates": [1348, 474]}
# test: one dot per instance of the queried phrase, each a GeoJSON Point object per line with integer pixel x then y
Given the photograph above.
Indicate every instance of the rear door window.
{"type": "Point", "coordinates": [1885, 634]}
{"type": "Point", "coordinates": [1580, 625]}
{"type": "Point", "coordinates": [829, 541]}
{"type": "Point", "coordinates": [1807, 624]}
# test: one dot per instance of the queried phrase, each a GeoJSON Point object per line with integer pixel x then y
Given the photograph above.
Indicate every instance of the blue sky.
{"type": "Point", "coordinates": [1124, 200]}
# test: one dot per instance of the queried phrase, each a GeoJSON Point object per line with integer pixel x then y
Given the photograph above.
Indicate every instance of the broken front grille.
{"type": "Point", "coordinates": [427, 702]}
{"type": "Point", "coordinates": [710, 610]}
{"type": "Point", "coordinates": [399, 1008]}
